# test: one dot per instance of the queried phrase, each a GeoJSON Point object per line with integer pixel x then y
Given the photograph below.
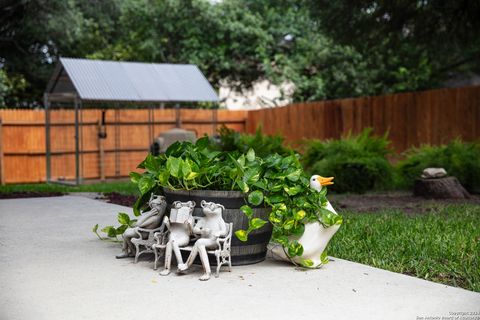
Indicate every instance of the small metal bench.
{"type": "Point", "coordinates": [146, 239]}
{"type": "Point", "coordinates": [222, 252]}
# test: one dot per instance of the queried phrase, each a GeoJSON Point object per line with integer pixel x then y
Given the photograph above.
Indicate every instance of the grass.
{"type": "Point", "coordinates": [442, 246]}
{"type": "Point", "coordinates": [122, 187]}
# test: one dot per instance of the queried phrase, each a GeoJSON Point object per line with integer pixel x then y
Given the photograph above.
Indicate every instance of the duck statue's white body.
{"type": "Point", "coordinates": [315, 238]}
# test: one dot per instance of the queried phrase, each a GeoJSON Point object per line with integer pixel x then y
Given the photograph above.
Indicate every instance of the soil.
{"type": "Point", "coordinates": [29, 194]}
{"type": "Point", "coordinates": [121, 199]}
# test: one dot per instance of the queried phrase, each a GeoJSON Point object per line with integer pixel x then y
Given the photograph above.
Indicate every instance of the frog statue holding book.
{"type": "Point", "coordinates": [180, 226]}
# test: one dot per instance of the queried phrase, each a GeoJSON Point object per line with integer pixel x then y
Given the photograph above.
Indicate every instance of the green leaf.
{"type": "Point", "coordinates": [191, 176]}
{"type": "Point", "coordinates": [288, 224]}
{"type": "Point", "coordinates": [173, 166]}
{"type": "Point", "coordinates": [295, 175]}
{"type": "Point", "coordinates": [123, 218]}
{"type": "Point", "coordinates": [243, 186]}
{"type": "Point", "coordinates": [95, 228]}
{"type": "Point", "coordinates": [174, 149]}
{"type": "Point", "coordinates": [132, 223]}
{"type": "Point", "coordinates": [135, 177]}
{"type": "Point", "coordinates": [275, 198]}
{"type": "Point", "coordinates": [283, 240]}
{"type": "Point", "coordinates": [247, 210]}
{"type": "Point", "coordinates": [295, 249]}
{"type": "Point", "coordinates": [255, 197]}
{"type": "Point", "coordinates": [298, 229]}
{"type": "Point", "coordinates": [299, 215]}
{"type": "Point", "coordinates": [291, 191]}
{"type": "Point", "coordinates": [141, 202]}
{"type": "Point", "coordinates": [251, 155]}
{"type": "Point", "coordinates": [120, 230]}
{"type": "Point", "coordinates": [151, 164]}
{"type": "Point", "coordinates": [241, 235]}
{"type": "Point", "coordinates": [274, 218]}
{"type": "Point", "coordinates": [256, 223]}
{"type": "Point", "coordinates": [241, 161]}
{"type": "Point", "coordinates": [146, 183]}
{"type": "Point", "coordinates": [163, 178]}
{"type": "Point", "coordinates": [186, 168]}
{"type": "Point", "coordinates": [307, 263]}
{"type": "Point", "coordinates": [324, 257]}
{"type": "Point", "coordinates": [110, 231]}
{"type": "Point", "coordinates": [202, 143]}
{"type": "Point", "coordinates": [251, 176]}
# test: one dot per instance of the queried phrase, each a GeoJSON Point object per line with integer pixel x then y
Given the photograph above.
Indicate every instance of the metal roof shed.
{"type": "Point", "coordinates": [118, 83]}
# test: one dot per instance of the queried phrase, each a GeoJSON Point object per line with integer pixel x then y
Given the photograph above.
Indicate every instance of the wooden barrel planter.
{"type": "Point", "coordinates": [252, 251]}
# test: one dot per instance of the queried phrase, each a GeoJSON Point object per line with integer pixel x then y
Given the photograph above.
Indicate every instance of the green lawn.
{"type": "Point", "coordinates": [122, 187]}
{"type": "Point", "coordinates": [441, 246]}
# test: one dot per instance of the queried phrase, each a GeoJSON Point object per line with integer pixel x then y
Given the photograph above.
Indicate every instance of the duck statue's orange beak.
{"type": "Point", "coordinates": [325, 181]}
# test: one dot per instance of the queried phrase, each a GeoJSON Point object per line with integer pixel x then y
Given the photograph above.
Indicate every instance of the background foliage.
{"type": "Point", "coordinates": [326, 49]}
{"type": "Point", "coordinates": [358, 162]}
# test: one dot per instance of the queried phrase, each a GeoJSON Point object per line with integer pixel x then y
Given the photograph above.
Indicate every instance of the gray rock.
{"type": "Point", "coordinates": [434, 173]}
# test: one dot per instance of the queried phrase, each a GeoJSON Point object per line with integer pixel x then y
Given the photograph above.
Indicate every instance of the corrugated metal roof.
{"type": "Point", "coordinates": [134, 81]}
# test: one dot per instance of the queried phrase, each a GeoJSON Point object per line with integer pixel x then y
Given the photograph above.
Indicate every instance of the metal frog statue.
{"type": "Point", "coordinates": [209, 228]}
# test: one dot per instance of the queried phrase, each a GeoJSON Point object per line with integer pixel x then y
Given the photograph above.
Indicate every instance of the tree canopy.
{"type": "Point", "coordinates": [326, 49]}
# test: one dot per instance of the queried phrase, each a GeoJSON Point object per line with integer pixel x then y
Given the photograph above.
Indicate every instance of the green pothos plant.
{"type": "Point", "coordinates": [276, 181]}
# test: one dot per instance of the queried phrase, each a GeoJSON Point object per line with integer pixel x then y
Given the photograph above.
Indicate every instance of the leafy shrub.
{"type": "Point", "coordinates": [358, 163]}
{"type": "Point", "coordinates": [263, 145]}
{"type": "Point", "coordinates": [460, 159]}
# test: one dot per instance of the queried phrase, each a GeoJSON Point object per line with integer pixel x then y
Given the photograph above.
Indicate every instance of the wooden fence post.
{"type": "Point", "coordinates": [2, 159]}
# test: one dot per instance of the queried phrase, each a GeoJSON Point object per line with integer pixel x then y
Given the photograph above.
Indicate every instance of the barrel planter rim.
{"type": "Point", "coordinates": [209, 192]}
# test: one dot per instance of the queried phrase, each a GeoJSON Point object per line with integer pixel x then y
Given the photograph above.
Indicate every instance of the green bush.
{"type": "Point", "coordinates": [460, 159]}
{"type": "Point", "coordinates": [358, 163]}
{"type": "Point", "coordinates": [264, 145]}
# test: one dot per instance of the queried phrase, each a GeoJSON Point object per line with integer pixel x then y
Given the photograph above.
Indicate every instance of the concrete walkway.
{"type": "Point", "coordinates": [53, 267]}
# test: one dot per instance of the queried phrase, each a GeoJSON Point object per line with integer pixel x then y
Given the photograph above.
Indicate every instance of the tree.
{"type": "Point", "coordinates": [225, 40]}
{"type": "Point", "coordinates": [411, 45]}
{"type": "Point", "coordinates": [33, 33]}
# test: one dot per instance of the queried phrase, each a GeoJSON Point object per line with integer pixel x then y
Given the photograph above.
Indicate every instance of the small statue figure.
{"type": "Point", "coordinates": [209, 227]}
{"type": "Point", "coordinates": [180, 227]}
{"type": "Point", "coordinates": [148, 220]}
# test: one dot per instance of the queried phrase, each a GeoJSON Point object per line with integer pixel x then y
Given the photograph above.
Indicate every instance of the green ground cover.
{"type": "Point", "coordinates": [441, 246]}
{"type": "Point", "coordinates": [125, 187]}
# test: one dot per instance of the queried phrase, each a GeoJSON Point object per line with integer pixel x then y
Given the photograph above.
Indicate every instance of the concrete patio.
{"type": "Point", "coordinates": [53, 267]}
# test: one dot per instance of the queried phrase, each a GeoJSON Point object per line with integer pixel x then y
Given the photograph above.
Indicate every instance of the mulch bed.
{"type": "Point", "coordinates": [29, 194]}
{"type": "Point", "coordinates": [121, 199]}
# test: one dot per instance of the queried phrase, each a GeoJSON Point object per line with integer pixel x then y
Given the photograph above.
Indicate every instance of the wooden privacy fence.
{"type": "Point", "coordinates": [129, 135]}
{"type": "Point", "coordinates": [428, 117]}
{"type": "Point", "coordinates": [412, 119]}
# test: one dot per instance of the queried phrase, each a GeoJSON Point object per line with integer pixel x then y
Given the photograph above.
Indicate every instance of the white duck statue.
{"type": "Point", "coordinates": [315, 237]}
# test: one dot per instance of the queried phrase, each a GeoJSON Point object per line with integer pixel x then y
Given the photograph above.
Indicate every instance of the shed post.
{"type": "Point", "coordinates": [77, 142]}
{"type": "Point", "coordinates": [178, 120]}
{"type": "Point", "coordinates": [2, 159]}
{"type": "Point", "coordinates": [48, 154]}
